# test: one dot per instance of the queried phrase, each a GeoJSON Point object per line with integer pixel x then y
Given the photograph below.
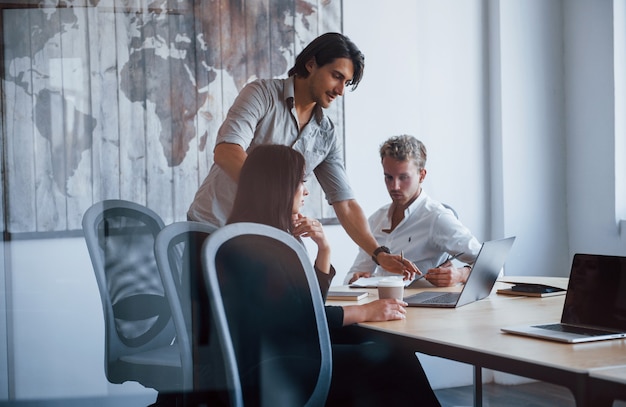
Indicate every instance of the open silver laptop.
{"type": "Point", "coordinates": [595, 303]}
{"type": "Point", "coordinates": [479, 283]}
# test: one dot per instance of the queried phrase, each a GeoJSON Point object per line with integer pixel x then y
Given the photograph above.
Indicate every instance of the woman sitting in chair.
{"type": "Point", "coordinates": [271, 191]}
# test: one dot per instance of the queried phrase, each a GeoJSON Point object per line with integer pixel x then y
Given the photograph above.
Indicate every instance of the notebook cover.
{"type": "Point", "coordinates": [508, 291]}
{"type": "Point", "coordinates": [346, 295]}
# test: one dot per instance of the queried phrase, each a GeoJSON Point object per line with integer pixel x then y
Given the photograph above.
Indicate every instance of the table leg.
{"type": "Point", "coordinates": [478, 386]}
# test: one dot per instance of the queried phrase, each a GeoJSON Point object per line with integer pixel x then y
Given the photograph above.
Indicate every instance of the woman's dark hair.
{"type": "Point", "coordinates": [269, 179]}
{"type": "Point", "coordinates": [325, 49]}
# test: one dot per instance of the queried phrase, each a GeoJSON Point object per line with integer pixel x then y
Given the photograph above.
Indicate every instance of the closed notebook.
{"type": "Point", "coordinates": [595, 303]}
{"type": "Point", "coordinates": [532, 290]}
{"type": "Point", "coordinates": [346, 295]}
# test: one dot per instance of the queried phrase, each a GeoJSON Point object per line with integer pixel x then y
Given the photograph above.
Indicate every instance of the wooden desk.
{"type": "Point", "coordinates": [471, 334]}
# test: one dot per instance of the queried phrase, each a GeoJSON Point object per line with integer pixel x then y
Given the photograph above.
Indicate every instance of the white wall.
{"type": "Point", "coordinates": [412, 85]}
{"type": "Point", "coordinates": [533, 136]}
{"type": "Point", "coordinates": [590, 113]}
{"type": "Point", "coordinates": [488, 101]}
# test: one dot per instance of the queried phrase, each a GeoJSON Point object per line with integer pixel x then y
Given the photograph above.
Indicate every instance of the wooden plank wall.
{"type": "Point", "coordinates": [123, 99]}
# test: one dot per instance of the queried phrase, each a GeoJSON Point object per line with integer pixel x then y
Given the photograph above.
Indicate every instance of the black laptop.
{"type": "Point", "coordinates": [480, 281]}
{"type": "Point", "coordinates": [595, 303]}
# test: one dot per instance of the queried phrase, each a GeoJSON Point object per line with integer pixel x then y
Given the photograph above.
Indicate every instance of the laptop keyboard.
{"type": "Point", "coordinates": [572, 329]}
{"type": "Point", "coordinates": [446, 298]}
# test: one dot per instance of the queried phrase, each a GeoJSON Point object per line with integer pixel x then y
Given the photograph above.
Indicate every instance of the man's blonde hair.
{"type": "Point", "coordinates": [403, 148]}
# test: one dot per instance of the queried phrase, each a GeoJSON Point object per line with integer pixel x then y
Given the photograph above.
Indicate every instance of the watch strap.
{"type": "Point", "coordinates": [379, 250]}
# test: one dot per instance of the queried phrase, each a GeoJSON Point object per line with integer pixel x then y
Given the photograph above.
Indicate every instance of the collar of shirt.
{"type": "Point", "coordinates": [419, 201]}
{"type": "Point", "coordinates": [289, 96]}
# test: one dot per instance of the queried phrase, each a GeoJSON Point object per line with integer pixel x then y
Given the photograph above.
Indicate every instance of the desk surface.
{"type": "Point", "coordinates": [471, 334]}
{"type": "Point", "coordinates": [615, 374]}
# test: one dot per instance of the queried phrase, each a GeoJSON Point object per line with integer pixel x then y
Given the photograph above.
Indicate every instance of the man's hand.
{"type": "Point", "coordinates": [447, 275]}
{"type": "Point", "coordinates": [396, 264]}
{"type": "Point", "coordinates": [358, 275]}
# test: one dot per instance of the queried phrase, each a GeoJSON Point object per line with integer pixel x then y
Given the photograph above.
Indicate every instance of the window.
{"type": "Point", "coordinates": [619, 49]}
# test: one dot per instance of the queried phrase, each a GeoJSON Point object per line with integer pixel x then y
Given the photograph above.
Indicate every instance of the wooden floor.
{"type": "Point", "coordinates": [535, 394]}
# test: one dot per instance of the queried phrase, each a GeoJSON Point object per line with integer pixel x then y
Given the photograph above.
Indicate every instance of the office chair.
{"type": "Point", "coordinates": [178, 253]}
{"type": "Point", "coordinates": [266, 301]}
{"type": "Point", "coordinates": [139, 330]}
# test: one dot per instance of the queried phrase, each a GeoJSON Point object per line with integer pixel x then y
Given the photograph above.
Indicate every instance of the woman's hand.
{"type": "Point", "coordinates": [309, 227]}
{"type": "Point", "coordinates": [312, 228]}
{"type": "Point", "coordinates": [380, 310]}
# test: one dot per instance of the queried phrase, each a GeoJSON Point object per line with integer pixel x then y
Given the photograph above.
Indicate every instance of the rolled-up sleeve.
{"type": "Point", "coordinates": [324, 280]}
{"type": "Point", "coordinates": [332, 176]}
{"type": "Point", "coordinates": [248, 109]}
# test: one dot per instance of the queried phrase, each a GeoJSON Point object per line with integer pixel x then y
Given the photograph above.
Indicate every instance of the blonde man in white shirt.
{"type": "Point", "coordinates": [414, 224]}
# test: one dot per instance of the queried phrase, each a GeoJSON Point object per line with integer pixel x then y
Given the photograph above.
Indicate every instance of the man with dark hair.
{"type": "Point", "coordinates": [415, 224]}
{"type": "Point", "coordinates": [290, 112]}
{"type": "Point", "coordinates": [325, 49]}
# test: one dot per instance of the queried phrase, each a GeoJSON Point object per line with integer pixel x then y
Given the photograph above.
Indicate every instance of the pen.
{"type": "Point", "coordinates": [450, 258]}
{"type": "Point", "coordinates": [402, 256]}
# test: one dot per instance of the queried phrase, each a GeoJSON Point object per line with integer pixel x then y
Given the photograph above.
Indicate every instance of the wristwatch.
{"type": "Point", "coordinates": [377, 251]}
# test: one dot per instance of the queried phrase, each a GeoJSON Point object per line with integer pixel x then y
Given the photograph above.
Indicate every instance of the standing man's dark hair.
{"type": "Point", "coordinates": [325, 49]}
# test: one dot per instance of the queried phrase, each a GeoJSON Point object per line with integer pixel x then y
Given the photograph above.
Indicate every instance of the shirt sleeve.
{"type": "Point", "coordinates": [334, 316]}
{"type": "Point", "coordinates": [324, 280]}
{"type": "Point", "coordinates": [453, 237]}
{"type": "Point", "coordinates": [332, 176]}
{"type": "Point", "coordinates": [249, 107]}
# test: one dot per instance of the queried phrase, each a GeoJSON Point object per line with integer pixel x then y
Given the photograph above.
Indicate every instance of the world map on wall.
{"type": "Point", "coordinates": [185, 41]}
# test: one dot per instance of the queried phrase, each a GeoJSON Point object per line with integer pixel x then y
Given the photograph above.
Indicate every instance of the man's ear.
{"type": "Point", "coordinates": [311, 64]}
{"type": "Point", "coordinates": [422, 174]}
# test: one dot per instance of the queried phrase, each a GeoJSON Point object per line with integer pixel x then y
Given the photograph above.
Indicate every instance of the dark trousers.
{"type": "Point", "coordinates": [376, 374]}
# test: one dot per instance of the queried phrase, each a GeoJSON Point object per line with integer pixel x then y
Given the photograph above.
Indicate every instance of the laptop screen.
{"type": "Point", "coordinates": [596, 293]}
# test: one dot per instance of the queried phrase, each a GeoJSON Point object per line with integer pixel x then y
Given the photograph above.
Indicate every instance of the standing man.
{"type": "Point", "coordinates": [290, 112]}
{"type": "Point", "coordinates": [413, 223]}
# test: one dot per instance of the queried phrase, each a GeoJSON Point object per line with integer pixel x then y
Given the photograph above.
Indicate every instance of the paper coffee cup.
{"type": "Point", "coordinates": [392, 287]}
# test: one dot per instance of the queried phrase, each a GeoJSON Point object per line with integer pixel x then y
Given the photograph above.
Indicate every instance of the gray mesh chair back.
{"type": "Point", "coordinates": [139, 330]}
{"type": "Point", "coordinates": [266, 301]}
{"type": "Point", "coordinates": [178, 253]}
